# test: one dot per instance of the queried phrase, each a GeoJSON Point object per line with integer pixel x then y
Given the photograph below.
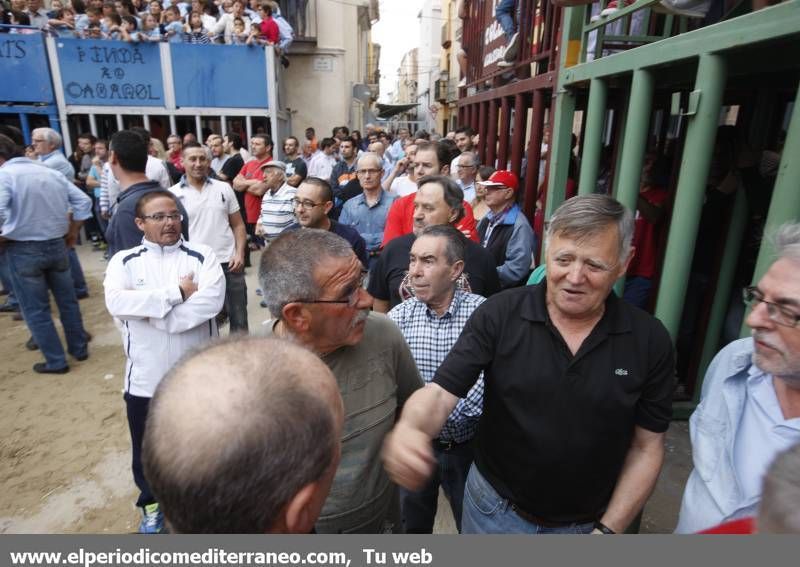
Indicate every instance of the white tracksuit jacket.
{"type": "Point", "coordinates": [142, 291]}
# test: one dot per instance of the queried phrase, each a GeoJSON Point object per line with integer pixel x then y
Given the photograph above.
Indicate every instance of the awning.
{"type": "Point", "coordinates": [389, 110]}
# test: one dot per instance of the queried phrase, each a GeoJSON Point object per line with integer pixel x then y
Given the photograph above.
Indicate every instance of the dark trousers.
{"type": "Point", "coordinates": [419, 508]}
{"type": "Point", "coordinates": [235, 299]}
{"type": "Point", "coordinates": [137, 416]}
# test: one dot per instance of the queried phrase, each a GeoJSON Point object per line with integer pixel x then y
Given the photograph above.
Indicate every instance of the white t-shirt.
{"type": "Point", "coordinates": [402, 186]}
{"type": "Point", "coordinates": [209, 213]}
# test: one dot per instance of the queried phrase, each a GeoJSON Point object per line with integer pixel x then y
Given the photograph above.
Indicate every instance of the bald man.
{"type": "Point", "coordinates": [250, 450]}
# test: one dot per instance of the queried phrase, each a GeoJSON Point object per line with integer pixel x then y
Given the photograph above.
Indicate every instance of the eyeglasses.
{"type": "Point", "coordinates": [780, 314]}
{"type": "Point", "coordinates": [352, 296]}
{"type": "Point", "coordinates": [298, 204]}
{"type": "Point", "coordinates": [369, 171]}
{"type": "Point", "coordinates": [161, 217]}
{"type": "Point", "coordinates": [461, 166]}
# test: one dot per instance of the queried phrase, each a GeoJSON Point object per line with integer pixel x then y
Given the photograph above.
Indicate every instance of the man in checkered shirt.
{"type": "Point", "coordinates": [431, 322]}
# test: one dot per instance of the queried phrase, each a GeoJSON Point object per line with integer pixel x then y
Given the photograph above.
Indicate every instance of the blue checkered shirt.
{"type": "Point", "coordinates": [431, 338]}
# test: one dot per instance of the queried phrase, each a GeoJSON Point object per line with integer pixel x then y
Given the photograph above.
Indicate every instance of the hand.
{"type": "Point", "coordinates": [187, 285]}
{"type": "Point", "coordinates": [408, 457]}
{"type": "Point", "coordinates": [71, 239]}
{"type": "Point", "coordinates": [402, 165]}
{"type": "Point", "coordinates": [236, 264]}
{"type": "Point", "coordinates": [259, 229]}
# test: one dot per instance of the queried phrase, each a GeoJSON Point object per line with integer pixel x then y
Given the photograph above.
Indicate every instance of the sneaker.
{"type": "Point", "coordinates": [8, 308]}
{"type": "Point", "coordinates": [511, 49]}
{"type": "Point", "coordinates": [615, 6]}
{"type": "Point", "coordinates": [31, 344]}
{"type": "Point", "coordinates": [152, 520]}
{"type": "Point", "coordinates": [462, 82]}
{"type": "Point", "coordinates": [42, 368]}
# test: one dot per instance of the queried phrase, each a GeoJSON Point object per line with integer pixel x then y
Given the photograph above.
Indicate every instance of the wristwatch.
{"type": "Point", "coordinates": [603, 529]}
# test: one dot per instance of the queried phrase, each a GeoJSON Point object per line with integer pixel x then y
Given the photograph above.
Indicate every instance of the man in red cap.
{"type": "Point", "coordinates": [505, 232]}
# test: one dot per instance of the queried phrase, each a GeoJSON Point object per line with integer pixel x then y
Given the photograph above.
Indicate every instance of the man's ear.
{"type": "Point", "coordinates": [445, 170]}
{"type": "Point", "coordinates": [328, 206]}
{"type": "Point", "coordinates": [296, 317]}
{"type": "Point", "coordinates": [456, 270]}
{"type": "Point", "coordinates": [624, 265]}
{"type": "Point", "coordinates": [298, 514]}
{"type": "Point", "coordinates": [139, 223]}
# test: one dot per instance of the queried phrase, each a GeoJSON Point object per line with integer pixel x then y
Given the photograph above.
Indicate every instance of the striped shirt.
{"type": "Point", "coordinates": [277, 211]}
{"type": "Point", "coordinates": [431, 337]}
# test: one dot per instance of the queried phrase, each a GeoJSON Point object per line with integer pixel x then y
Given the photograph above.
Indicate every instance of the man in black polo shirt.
{"type": "Point", "coordinates": [578, 391]}
{"type": "Point", "coordinates": [438, 200]}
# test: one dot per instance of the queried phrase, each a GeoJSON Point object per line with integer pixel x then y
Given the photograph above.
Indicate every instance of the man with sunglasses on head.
{"type": "Point", "coordinates": [750, 405]}
{"type": "Point", "coordinates": [166, 293]}
{"type": "Point", "coordinates": [313, 287]}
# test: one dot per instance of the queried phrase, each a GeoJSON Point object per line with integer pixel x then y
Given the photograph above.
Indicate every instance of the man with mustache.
{"type": "Point", "coordinates": [750, 407]}
{"type": "Point", "coordinates": [313, 286]}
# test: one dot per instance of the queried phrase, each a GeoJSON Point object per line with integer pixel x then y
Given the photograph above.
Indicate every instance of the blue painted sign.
{"type": "Point", "coordinates": [24, 69]}
{"type": "Point", "coordinates": [221, 76]}
{"type": "Point", "coordinates": [110, 73]}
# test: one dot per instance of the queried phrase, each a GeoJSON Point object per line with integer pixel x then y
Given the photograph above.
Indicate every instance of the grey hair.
{"type": "Point", "coordinates": [585, 216]}
{"type": "Point", "coordinates": [456, 248]}
{"type": "Point", "coordinates": [779, 511]}
{"type": "Point", "coordinates": [370, 155]}
{"type": "Point", "coordinates": [453, 194]}
{"type": "Point", "coordinates": [51, 136]}
{"type": "Point", "coordinates": [786, 241]}
{"type": "Point", "coordinates": [473, 157]}
{"type": "Point", "coordinates": [288, 264]}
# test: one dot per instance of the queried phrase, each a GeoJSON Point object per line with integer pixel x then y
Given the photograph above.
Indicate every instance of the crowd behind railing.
{"type": "Point", "coordinates": [232, 22]}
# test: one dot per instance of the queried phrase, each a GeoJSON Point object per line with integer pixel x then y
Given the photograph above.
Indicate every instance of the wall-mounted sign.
{"type": "Point", "coordinates": [110, 73]}
{"type": "Point", "coordinates": [323, 64]}
{"type": "Point", "coordinates": [494, 40]}
{"type": "Point", "coordinates": [23, 65]}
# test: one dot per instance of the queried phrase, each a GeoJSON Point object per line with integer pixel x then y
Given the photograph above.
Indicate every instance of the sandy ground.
{"type": "Point", "coordinates": [65, 449]}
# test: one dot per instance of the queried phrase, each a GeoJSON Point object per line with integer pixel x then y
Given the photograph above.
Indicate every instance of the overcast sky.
{"type": "Point", "coordinates": [397, 32]}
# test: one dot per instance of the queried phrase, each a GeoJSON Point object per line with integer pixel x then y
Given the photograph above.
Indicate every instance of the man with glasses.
{"type": "Point", "coordinates": [367, 212]}
{"type": "Point", "coordinates": [166, 292]}
{"type": "Point", "coordinates": [467, 170]}
{"type": "Point", "coordinates": [312, 203]}
{"type": "Point", "coordinates": [750, 406]}
{"type": "Point", "coordinates": [505, 232]}
{"type": "Point", "coordinates": [313, 287]}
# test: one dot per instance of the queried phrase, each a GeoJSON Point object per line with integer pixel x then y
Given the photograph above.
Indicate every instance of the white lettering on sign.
{"type": "Point", "coordinates": [493, 56]}
{"type": "Point", "coordinates": [323, 64]}
{"type": "Point", "coordinates": [492, 33]}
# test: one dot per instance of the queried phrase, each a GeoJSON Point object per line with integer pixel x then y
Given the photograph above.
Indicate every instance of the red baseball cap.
{"type": "Point", "coordinates": [502, 177]}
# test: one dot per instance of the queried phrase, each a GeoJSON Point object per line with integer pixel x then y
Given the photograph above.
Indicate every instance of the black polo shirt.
{"type": "Point", "coordinates": [391, 267]}
{"type": "Point", "coordinates": [556, 428]}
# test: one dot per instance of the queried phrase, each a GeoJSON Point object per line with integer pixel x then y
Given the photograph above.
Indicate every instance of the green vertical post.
{"type": "Point", "coordinates": [785, 204]}
{"type": "Point", "coordinates": [634, 142]}
{"type": "Point", "coordinates": [593, 137]}
{"type": "Point", "coordinates": [564, 109]}
{"type": "Point", "coordinates": [727, 270]}
{"type": "Point", "coordinates": [705, 104]}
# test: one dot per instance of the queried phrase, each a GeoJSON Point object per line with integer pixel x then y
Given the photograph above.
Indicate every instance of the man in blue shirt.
{"type": "Point", "coordinates": [36, 231]}
{"type": "Point", "coordinates": [367, 212]}
{"type": "Point", "coordinates": [47, 144]}
{"type": "Point", "coordinates": [431, 321]}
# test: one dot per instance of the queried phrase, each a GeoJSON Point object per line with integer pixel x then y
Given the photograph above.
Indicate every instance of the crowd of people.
{"type": "Point", "coordinates": [410, 344]}
{"type": "Point", "coordinates": [232, 22]}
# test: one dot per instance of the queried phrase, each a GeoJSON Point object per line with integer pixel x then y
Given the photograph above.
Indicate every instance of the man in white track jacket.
{"type": "Point", "coordinates": [166, 292]}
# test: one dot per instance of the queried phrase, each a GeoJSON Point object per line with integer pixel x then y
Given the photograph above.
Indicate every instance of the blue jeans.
{"type": "Point", "coordinates": [235, 299]}
{"type": "Point", "coordinates": [37, 268]}
{"type": "Point", "coordinates": [137, 410]}
{"type": "Point", "coordinates": [504, 14]}
{"type": "Point", "coordinates": [5, 277]}
{"type": "Point", "coordinates": [486, 512]}
{"type": "Point", "coordinates": [419, 508]}
{"type": "Point", "coordinates": [77, 273]}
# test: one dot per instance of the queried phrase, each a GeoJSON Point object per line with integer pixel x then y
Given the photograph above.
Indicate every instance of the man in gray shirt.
{"type": "Point", "coordinates": [313, 286]}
